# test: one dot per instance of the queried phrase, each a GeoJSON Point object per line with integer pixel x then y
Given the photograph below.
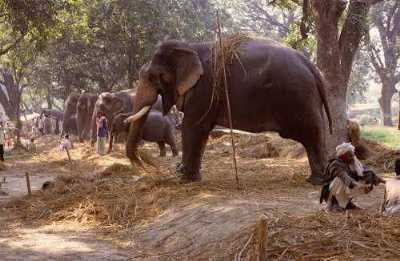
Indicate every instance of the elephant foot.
{"type": "Point", "coordinates": [184, 176]}
{"type": "Point", "coordinates": [185, 179]}
{"type": "Point", "coordinates": [316, 180]}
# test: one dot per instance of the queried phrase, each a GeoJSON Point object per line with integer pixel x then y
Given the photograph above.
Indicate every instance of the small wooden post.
{"type": "Point", "coordinates": [69, 156]}
{"type": "Point", "coordinates": [261, 238]}
{"type": "Point", "coordinates": [28, 183]}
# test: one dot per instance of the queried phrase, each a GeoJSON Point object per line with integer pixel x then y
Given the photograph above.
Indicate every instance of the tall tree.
{"type": "Point", "coordinates": [385, 53]}
{"type": "Point", "coordinates": [340, 26]}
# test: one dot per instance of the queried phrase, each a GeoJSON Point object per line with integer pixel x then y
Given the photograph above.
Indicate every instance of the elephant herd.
{"type": "Point", "coordinates": [80, 111]}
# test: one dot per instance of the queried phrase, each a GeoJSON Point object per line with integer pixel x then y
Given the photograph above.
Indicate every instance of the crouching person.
{"type": "Point", "coordinates": [391, 199]}
{"type": "Point", "coordinates": [346, 178]}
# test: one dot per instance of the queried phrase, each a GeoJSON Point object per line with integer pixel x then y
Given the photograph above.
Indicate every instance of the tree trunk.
{"type": "Point", "coordinates": [398, 124]}
{"type": "Point", "coordinates": [335, 55]}
{"type": "Point", "coordinates": [48, 100]}
{"type": "Point", "coordinates": [385, 101]}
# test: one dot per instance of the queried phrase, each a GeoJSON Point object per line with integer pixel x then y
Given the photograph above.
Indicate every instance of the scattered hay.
{"type": "Point", "coordinates": [117, 199]}
{"type": "Point", "coordinates": [313, 237]}
{"type": "Point", "coordinates": [116, 169]}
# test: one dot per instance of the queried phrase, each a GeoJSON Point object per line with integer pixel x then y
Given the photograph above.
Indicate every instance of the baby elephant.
{"type": "Point", "coordinates": [157, 128]}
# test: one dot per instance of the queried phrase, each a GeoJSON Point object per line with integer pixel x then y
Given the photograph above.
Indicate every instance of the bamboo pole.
{"type": "Point", "coordinates": [69, 156]}
{"type": "Point", "coordinates": [228, 104]}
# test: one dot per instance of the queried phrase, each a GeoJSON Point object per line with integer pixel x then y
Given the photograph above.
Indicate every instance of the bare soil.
{"type": "Point", "coordinates": [101, 208]}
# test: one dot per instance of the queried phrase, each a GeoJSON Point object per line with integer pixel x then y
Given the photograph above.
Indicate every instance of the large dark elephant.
{"type": "Point", "coordinates": [52, 114]}
{"type": "Point", "coordinates": [69, 117]}
{"type": "Point", "coordinates": [113, 103]}
{"type": "Point", "coordinates": [84, 112]}
{"type": "Point", "coordinates": [271, 88]}
{"type": "Point", "coordinates": [157, 128]}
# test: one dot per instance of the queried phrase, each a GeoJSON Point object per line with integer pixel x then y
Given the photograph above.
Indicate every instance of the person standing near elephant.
{"type": "Point", "coordinates": [102, 132]}
{"type": "Point", "coordinates": [1, 141]}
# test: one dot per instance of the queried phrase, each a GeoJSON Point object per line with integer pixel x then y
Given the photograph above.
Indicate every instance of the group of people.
{"type": "Point", "coordinates": [102, 135]}
{"type": "Point", "coordinates": [346, 177]}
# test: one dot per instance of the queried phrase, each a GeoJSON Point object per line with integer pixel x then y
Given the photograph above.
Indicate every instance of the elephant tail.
{"type": "Point", "coordinates": [321, 85]}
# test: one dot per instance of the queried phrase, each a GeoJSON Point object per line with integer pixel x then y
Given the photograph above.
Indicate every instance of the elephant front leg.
{"type": "Point", "coordinates": [193, 143]}
{"type": "Point", "coordinates": [163, 151]}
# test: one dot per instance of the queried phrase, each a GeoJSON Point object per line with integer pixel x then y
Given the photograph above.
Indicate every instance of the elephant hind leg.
{"type": "Point", "coordinates": [170, 140]}
{"type": "Point", "coordinates": [163, 151]}
{"type": "Point", "coordinates": [317, 157]}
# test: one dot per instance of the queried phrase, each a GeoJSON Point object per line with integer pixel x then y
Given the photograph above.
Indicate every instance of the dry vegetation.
{"type": "Point", "coordinates": [167, 220]}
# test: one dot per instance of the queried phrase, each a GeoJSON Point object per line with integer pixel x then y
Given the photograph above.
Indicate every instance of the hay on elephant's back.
{"type": "Point", "coordinates": [225, 56]}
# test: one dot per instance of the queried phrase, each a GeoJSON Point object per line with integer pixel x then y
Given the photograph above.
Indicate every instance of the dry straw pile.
{"type": "Point", "coordinates": [318, 236]}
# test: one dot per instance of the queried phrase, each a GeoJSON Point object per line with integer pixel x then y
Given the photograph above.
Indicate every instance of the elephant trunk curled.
{"type": "Point", "coordinates": [146, 96]}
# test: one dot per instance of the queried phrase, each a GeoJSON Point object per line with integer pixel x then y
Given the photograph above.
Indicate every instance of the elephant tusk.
{"type": "Point", "coordinates": [137, 115]}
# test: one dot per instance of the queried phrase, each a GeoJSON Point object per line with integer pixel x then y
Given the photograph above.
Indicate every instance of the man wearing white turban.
{"type": "Point", "coordinates": [345, 179]}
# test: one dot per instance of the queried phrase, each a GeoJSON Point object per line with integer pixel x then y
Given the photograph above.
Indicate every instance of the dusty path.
{"type": "Point", "coordinates": [57, 242]}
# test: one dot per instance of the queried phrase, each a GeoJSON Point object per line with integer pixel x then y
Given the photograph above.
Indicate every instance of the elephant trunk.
{"type": "Point", "coordinates": [146, 96]}
{"type": "Point", "coordinates": [80, 126]}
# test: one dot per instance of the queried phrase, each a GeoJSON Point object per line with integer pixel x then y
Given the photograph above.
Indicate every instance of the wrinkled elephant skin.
{"type": "Point", "coordinates": [84, 111]}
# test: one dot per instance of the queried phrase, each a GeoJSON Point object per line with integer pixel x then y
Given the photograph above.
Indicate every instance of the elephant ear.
{"type": "Point", "coordinates": [88, 101]}
{"type": "Point", "coordinates": [189, 69]}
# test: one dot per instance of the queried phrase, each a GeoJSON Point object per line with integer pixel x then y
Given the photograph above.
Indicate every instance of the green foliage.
{"type": "Point", "coordinates": [101, 44]}
{"type": "Point", "coordinates": [307, 45]}
{"type": "Point", "coordinates": [359, 78]}
{"type": "Point", "coordinates": [385, 135]}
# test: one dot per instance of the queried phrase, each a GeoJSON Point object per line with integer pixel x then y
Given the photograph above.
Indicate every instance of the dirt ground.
{"type": "Point", "coordinates": [100, 208]}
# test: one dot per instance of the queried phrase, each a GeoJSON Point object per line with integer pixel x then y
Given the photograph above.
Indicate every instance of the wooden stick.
{"type": "Point", "coordinates": [28, 183]}
{"type": "Point", "coordinates": [69, 156]}
{"type": "Point", "coordinates": [228, 104]}
{"type": "Point", "coordinates": [261, 239]}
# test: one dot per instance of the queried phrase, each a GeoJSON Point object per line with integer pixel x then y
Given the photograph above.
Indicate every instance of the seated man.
{"type": "Point", "coordinates": [391, 199]}
{"type": "Point", "coordinates": [346, 177]}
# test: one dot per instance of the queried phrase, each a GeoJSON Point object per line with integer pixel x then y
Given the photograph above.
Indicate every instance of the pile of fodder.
{"type": "Point", "coordinates": [114, 198]}
{"type": "Point", "coordinates": [270, 146]}
{"type": "Point", "coordinates": [315, 236]}
{"type": "Point", "coordinates": [384, 160]}
{"type": "Point", "coordinates": [258, 146]}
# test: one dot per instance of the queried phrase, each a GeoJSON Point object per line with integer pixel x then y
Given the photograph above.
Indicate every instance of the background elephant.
{"type": "Point", "coordinates": [157, 128]}
{"type": "Point", "coordinates": [271, 88]}
{"type": "Point", "coordinates": [113, 103]}
{"type": "Point", "coordinates": [52, 115]}
{"type": "Point", "coordinates": [84, 112]}
{"type": "Point", "coordinates": [69, 117]}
